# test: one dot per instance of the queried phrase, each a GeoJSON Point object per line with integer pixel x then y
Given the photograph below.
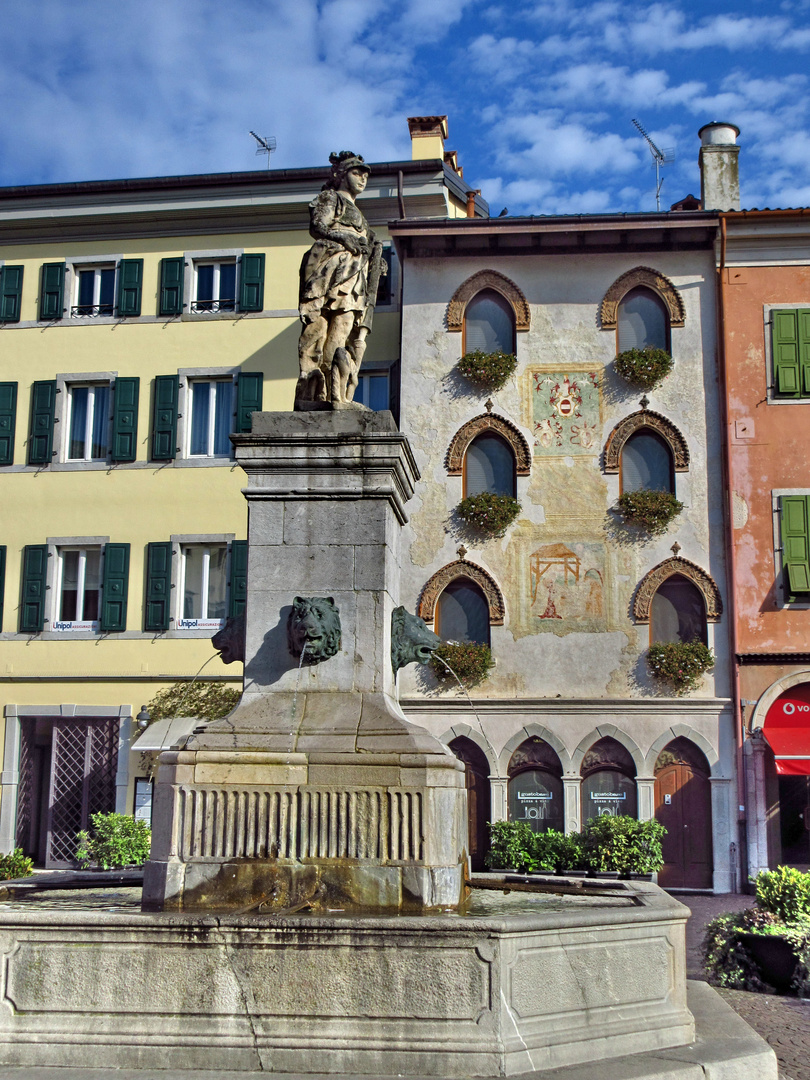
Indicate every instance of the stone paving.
{"type": "Point", "coordinates": [783, 1021]}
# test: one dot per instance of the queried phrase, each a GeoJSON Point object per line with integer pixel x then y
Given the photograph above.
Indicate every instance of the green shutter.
{"type": "Point", "coordinates": [8, 421]}
{"type": "Point", "coordinates": [125, 419]}
{"type": "Point", "coordinates": [803, 325]}
{"type": "Point", "coordinates": [249, 387]}
{"type": "Point", "coordinates": [11, 279]}
{"type": "Point", "coordinates": [43, 404]}
{"type": "Point", "coordinates": [164, 418]}
{"type": "Point", "coordinates": [238, 597]}
{"type": "Point", "coordinates": [32, 600]}
{"type": "Point", "coordinates": [114, 587]}
{"type": "Point", "coordinates": [251, 283]}
{"type": "Point", "coordinates": [130, 286]}
{"type": "Point", "coordinates": [52, 291]}
{"type": "Point", "coordinates": [158, 586]}
{"type": "Point", "coordinates": [2, 582]}
{"type": "Point", "coordinates": [796, 542]}
{"type": "Point", "coordinates": [172, 272]}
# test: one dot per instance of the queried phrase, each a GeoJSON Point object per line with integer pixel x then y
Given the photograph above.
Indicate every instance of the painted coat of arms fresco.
{"type": "Point", "coordinates": [565, 413]}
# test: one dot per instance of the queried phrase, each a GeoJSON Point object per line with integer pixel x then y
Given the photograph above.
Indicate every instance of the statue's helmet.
{"type": "Point", "coordinates": [344, 161]}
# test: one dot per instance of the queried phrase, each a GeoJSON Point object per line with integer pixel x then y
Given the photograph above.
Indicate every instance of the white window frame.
{"type": "Point", "coordinates": [75, 263]}
{"type": "Point", "coordinates": [770, 375]}
{"type": "Point", "coordinates": [91, 410]}
{"type": "Point", "coordinates": [64, 382]}
{"type": "Point", "coordinates": [58, 549]}
{"type": "Point", "coordinates": [369, 373]}
{"type": "Point", "coordinates": [217, 381]}
{"type": "Point", "coordinates": [778, 562]}
{"type": "Point", "coordinates": [195, 259]}
{"type": "Point", "coordinates": [188, 376]}
{"type": "Point", "coordinates": [197, 627]}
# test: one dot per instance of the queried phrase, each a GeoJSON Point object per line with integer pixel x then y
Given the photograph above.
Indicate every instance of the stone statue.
{"type": "Point", "coordinates": [314, 624]}
{"type": "Point", "coordinates": [339, 278]}
{"type": "Point", "coordinates": [230, 640]}
{"type": "Point", "coordinates": [411, 640]}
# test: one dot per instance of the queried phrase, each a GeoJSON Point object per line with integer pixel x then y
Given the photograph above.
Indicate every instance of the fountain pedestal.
{"type": "Point", "coordinates": [316, 790]}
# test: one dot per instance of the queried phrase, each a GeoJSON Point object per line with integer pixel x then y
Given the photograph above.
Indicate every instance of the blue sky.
{"type": "Point", "coordinates": [540, 94]}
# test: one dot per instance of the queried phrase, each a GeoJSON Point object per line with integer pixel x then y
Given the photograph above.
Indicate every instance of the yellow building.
{"type": "Point", "coordinates": [142, 321]}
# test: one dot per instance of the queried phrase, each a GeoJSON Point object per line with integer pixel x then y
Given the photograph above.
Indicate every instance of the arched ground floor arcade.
{"type": "Point", "coordinates": [555, 764]}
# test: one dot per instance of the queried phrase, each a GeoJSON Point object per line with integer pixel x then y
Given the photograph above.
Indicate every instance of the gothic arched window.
{"type": "Point", "coordinates": [489, 323]}
{"type": "Point", "coordinates": [646, 463]}
{"type": "Point", "coordinates": [462, 613]}
{"type": "Point", "coordinates": [489, 465]}
{"type": "Point", "coordinates": [643, 320]}
{"type": "Point", "coordinates": [678, 612]}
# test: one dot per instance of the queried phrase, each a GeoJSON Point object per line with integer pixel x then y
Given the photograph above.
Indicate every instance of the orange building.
{"type": "Point", "coordinates": [764, 297]}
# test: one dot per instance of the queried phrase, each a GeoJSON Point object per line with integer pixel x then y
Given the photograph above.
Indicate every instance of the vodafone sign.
{"type": "Point", "coordinates": [787, 729]}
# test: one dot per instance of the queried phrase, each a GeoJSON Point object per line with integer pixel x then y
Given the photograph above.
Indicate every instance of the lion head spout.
{"type": "Point", "coordinates": [411, 640]}
{"type": "Point", "coordinates": [313, 628]}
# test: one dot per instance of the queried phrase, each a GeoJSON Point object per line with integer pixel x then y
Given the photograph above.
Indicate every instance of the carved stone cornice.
{"type": "Point", "coordinates": [651, 582]}
{"type": "Point", "coordinates": [461, 568]}
{"type": "Point", "coordinates": [641, 275]}
{"type": "Point", "coordinates": [655, 422]}
{"type": "Point", "coordinates": [477, 426]}
{"type": "Point", "coordinates": [487, 279]}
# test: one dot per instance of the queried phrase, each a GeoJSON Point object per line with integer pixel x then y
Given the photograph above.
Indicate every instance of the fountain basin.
{"type": "Point", "coordinates": [520, 982]}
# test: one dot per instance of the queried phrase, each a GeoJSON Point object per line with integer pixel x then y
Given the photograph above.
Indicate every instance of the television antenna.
{"type": "Point", "coordinates": [268, 145]}
{"type": "Point", "coordinates": [660, 158]}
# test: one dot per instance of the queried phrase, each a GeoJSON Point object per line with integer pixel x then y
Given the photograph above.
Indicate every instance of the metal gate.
{"type": "Point", "coordinates": [84, 758]}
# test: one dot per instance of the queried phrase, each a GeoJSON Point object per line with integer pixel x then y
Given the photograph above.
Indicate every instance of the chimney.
{"type": "Point", "coordinates": [719, 167]}
{"type": "Point", "coordinates": [427, 137]}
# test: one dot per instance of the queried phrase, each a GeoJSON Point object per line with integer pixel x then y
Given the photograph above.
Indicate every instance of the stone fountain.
{"type": "Point", "coordinates": [306, 906]}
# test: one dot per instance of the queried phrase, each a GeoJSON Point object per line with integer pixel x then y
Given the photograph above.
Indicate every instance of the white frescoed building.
{"type": "Point", "coordinates": [570, 722]}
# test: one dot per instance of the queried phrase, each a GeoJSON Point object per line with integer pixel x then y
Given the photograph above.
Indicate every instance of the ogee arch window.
{"type": "Point", "coordinates": [462, 613]}
{"type": "Point", "coordinates": [647, 463]}
{"type": "Point", "coordinates": [643, 320]}
{"type": "Point", "coordinates": [489, 465]}
{"type": "Point", "coordinates": [489, 324]}
{"type": "Point", "coordinates": [678, 612]}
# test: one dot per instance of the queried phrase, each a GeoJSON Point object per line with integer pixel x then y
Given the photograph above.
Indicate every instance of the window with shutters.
{"type": "Point", "coordinates": [93, 291]}
{"type": "Point", "coordinates": [678, 612]}
{"type": "Point", "coordinates": [489, 466]}
{"type": "Point", "coordinates": [462, 613]}
{"type": "Point", "coordinates": [790, 354]}
{"type": "Point", "coordinates": [88, 422]}
{"type": "Point", "coordinates": [646, 463]}
{"type": "Point", "coordinates": [214, 286]}
{"type": "Point", "coordinates": [78, 589]}
{"type": "Point", "coordinates": [489, 324]}
{"type": "Point", "coordinates": [792, 545]}
{"type": "Point", "coordinates": [643, 320]}
{"type": "Point", "coordinates": [211, 410]}
{"type": "Point", "coordinates": [203, 586]}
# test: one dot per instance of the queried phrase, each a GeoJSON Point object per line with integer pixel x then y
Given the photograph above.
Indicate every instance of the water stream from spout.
{"type": "Point", "coordinates": [295, 725]}
{"type": "Point", "coordinates": [188, 688]}
{"type": "Point", "coordinates": [466, 693]}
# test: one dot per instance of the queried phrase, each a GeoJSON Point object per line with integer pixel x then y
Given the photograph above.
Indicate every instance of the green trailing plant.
{"type": "Point", "coordinates": [116, 840]}
{"type": "Point", "coordinates": [649, 510]}
{"type": "Point", "coordinates": [207, 701]}
{"type": "Point", "coordinates": [785, 892]}
{"type": "Point", "coordinates": [725, 957]}
{"type": "Point", "coordinates": [644, 368]}
{"type": "Point", "coordinates": [490, 371]}
{"type": "Point", "coordinates": [470, 661]}
{"type": "Point", "coordinates": [15, 865]}
{"type": "Point", "coordinates": [489, 513]}
{"type": "Point", "coordinates": [680, 663]}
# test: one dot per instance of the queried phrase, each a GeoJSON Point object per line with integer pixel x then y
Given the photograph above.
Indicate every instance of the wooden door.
{"type": "Point", "coordinates": [476, 775]}
{"type": "Point", "coordinates": [683, 805]}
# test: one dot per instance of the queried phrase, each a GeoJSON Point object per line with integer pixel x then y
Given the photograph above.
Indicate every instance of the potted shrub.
{"type": "Point", "coordinates": [116, 841]}
{"type": "Point", "coordinates": [512, 847]}
{"type": "Point", "coordinates": [645, 855]}
{"type": "Point", "coordinates": [469, 661]}
{"type": "Point", "coordinates": [649, 510]}
{"type": "Point", "coordinates": [15, 865]}
{"type": "Point", "coordinates": [644, 368]}
{"type": "Point", "coordinates": [490, 371]}
{"type": "Point", "coordinates": [605, 840]}
{"type": "Point", "coordinates": [489, 513]}
{"type": "Point", "coordinates": [680, 663]}
{"type": "Point", "coordinates": [767, 947]}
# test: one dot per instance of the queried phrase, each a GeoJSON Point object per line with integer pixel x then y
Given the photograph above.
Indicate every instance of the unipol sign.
{"type": "Point", "coordinates": [787, 729]}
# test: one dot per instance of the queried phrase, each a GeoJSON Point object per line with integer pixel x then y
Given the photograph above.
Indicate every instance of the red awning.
{"type": "Point", "coordinates": [787, 729]}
